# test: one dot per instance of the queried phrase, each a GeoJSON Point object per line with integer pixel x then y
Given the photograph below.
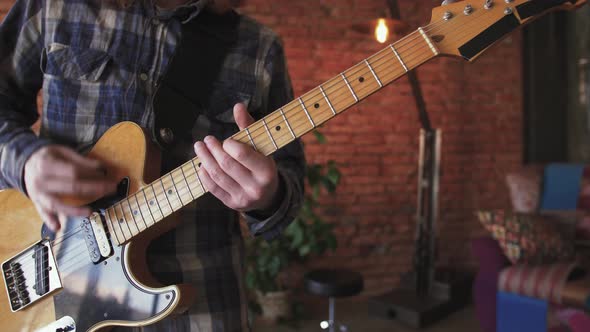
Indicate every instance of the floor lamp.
{"type": "Point", "coordinates": [421, 299]}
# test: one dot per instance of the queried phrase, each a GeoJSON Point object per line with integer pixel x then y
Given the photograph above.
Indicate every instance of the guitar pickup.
{"type": "Point", "coordinates": [97, 240]}
{"type": "Point", "coordinates": [41, 269]}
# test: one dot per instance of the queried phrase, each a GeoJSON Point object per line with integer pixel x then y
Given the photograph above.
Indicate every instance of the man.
{"type": "Point", "coordinates": [186, 71]}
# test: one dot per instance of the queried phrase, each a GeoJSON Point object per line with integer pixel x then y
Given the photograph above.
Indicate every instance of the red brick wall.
{"type": "Point", "coordinates": [478, 106]}
{"type": "Point", "coordinates": [4, 6]}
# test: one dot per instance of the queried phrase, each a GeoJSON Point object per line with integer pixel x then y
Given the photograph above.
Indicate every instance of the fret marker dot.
{"type": "Point", "coordinates": [120, 220]}
{"type": "Point", "coordinates": [135, 212]}
{"type": "Point", "coordinates": [361, 79]}
{"type": "Point", "coordinates": [316, 105]}
{"type": "Point", "coordinates": [151, 202]}
{"type": "Point", "coordinates": [278, 128]}
{"type": "Point", "coordinates": [169, 191]}
{"type": "Point", "coordinates": [199, 165]}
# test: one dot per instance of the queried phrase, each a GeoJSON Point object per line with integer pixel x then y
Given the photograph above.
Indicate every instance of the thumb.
{"type": "Point", "coordinates": [242, 117]}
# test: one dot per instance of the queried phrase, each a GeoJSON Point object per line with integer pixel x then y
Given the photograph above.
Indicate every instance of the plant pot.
{"type": "Point", "coordinates": [274, 305]}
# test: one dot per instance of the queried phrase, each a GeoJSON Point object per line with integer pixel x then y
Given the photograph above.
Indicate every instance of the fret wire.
{"type": "Point", "coordinates": [428, 41]}
{"type": "Point", "coordinates": [110, 220]}
{"type": "Point", "coordinates": [306, 112]}
{"type": "Point", "coordinates": [349, 87]}
{"type": "Point", "coordinates": [394, 52]}
{"type": "Point", "coordinates": [157, 200]}
{"type": "Point", "coordinates": [185, 181]}
{"type": "Point", "coordinates": [132, 215]}
{"type": "Point", "coordinates": [166, 195]}
{"type": "Point", "coordinates": [149, 205]}
{"type": "Point", "coordinates": [120, 221]}
{"type": "Point", "coordinates": [287, 122]}
{"type": "Point", "coordinates": [367, 71]}
{"type": "Point", "coordinates": [197, 174]}
{"type": "Point", "coordinates": [140, 212]}
{"type": "Point", "coordinates": [250, 137]}
{"type": "Point", "coordinates": [327, 100]}
{"type": "Point", "coordinates": [176, 189]}
{"type": "Point", "coordinates": [269, 135]}
{"type": "Point", "coordinates": [126, 222]}
{"type": "Point", "coordinates": [380, 63]}
{"type": "Point", "coordinates": [399, 58]}
{"type": "Point", "coordinates": [373, 67]}
{"type": "Point", "coordinates": [374, 74]}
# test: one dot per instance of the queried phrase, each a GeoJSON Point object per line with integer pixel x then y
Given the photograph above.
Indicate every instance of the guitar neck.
{"type": "Point", "coordinates": [171, 192]}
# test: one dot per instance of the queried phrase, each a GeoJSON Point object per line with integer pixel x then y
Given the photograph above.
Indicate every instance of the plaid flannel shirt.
{"type": "Point", "coordinates": [98, 64]}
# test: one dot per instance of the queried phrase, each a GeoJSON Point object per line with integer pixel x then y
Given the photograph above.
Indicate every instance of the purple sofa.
{"type": "Point", "coordinates": [491, 261]}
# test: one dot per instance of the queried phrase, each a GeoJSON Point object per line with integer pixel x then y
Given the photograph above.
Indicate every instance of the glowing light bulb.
{"type": "Point", "coordinates": [381, 31]}
{"type": "Point", "coordinates": [324, 325]}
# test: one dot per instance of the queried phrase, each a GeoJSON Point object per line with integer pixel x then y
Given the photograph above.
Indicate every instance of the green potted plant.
{"type": "Point", "coordinates": [307, 235]}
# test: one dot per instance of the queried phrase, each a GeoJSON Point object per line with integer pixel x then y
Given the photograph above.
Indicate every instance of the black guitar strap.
{"type": "Point", "coordinates": [185, 90]}
{"type": "Point", "coordinates": [183, 96]}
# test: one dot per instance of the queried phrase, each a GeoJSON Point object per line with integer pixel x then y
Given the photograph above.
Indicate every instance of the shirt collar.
{"type": "Point", "coordinates": [184, 13]}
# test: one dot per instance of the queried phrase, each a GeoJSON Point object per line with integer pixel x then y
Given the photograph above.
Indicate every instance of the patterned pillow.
{"type": "Point", "coordinates": [524, 188]}
{"type": "Point", "coordinates": [526, 238]}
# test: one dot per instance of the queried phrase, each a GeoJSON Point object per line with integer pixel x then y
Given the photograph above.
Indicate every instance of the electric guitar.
{"type": "Point", "coordinates": [45, 278]}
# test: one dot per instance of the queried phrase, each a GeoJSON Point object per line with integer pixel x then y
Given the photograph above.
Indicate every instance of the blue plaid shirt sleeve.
{"type": "Point", "coordinates": [21, 45]}
{"type": "Point", "coordinates": [290, 159]}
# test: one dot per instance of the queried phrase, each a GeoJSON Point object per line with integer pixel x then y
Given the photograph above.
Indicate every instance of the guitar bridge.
{"type": "Point", "coordinates": [30, 275]}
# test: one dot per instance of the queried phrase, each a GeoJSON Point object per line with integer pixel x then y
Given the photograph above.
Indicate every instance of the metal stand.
{"type": "Point", "coordinates": [422, 299]}
{"type": "Point", "coordinates": [427, 213]}
{"type": "Point", "coordinates": [330, 324]}
{"type": "Point", "coordinates": [331, 314]}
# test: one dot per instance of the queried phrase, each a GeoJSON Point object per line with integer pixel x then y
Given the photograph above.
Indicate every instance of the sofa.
{"type": "Point", "coordinates": [542, 294]}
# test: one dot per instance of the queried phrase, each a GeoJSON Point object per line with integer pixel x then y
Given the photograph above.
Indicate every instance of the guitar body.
{"type": "Point", "coordinates": [94, 296]}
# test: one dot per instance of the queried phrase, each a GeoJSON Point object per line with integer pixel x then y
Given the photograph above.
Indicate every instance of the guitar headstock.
{"type": "Point", "coordinates": [467, 28]}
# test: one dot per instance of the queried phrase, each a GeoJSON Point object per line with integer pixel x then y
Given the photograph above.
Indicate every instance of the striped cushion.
{"type": "Point", "coordinates": [541, 282]}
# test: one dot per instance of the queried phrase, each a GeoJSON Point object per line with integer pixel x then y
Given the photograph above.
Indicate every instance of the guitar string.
{"type": "Point", "coordinates": [189, 189]}
{"type": "Point", "coordinates": [269, 119]}
{"type": "Point", "coordinates": [398, 42]}
{"type": "Point", "coordinates": [388, 53]}
{"type": "Point", "coordinates": [261, 130]}
{"type": "Point", "coordinates": [74, 250]}
{"type": "Point", "coordinates": [66, 270]}
{"type": "Point", "coordinates": [141, 205]}
{"type": "Point", "coordinates": [179, 191]}
{"type": "Point", "coordinates": [180, 200]}
{"type": "Point", "coordinates": [426, 28]}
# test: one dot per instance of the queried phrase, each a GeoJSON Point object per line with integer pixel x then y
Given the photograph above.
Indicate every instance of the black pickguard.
{"type": "Point", "coordinates": [93, 293]}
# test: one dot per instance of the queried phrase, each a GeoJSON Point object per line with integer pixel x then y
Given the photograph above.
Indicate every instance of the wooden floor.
{"type": "Point", "coordinates": [353, 313]}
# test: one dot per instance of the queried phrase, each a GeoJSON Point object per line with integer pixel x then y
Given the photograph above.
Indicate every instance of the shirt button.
{"type": "Point", "coordinates": [166, 135]}
{"type": "Point", "coordinates": [143, 76]}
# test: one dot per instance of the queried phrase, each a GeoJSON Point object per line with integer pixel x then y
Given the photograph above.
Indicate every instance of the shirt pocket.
{"type": "Point", "coordinates": [78, 104]}
{"type": "Point", "coordinates": [75, 63]}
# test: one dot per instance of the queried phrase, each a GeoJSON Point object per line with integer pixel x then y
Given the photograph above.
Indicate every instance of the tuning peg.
{"type": "Point", "coordinates": [448, 2]}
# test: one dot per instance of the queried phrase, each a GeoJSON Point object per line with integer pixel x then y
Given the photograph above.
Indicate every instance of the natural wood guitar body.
{"type": "Point", "coordinates": [127, 154]}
